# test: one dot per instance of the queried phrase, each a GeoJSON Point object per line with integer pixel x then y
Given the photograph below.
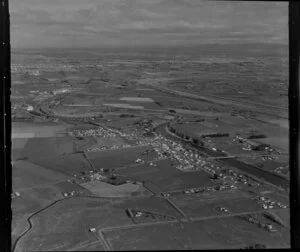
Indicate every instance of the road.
{"type": "Point", "coordinates": [193, 219]}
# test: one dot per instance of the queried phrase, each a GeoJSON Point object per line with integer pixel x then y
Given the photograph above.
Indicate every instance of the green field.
{"type": "Point", "coordinates": [119, 158]}
{"type": "Point", "coordinates": [26, 174]}
{"type": "Point", "coordinates": [225, 233]}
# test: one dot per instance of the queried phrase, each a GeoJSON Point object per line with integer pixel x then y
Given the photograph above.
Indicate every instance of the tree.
{"type": "Point", "coordinates": [259, 246]}
{"type": "Point", "coordinates": [215, 176]}
{"type": "Point", "coordinates": [256, 246]}
{"type": "Point", "coordinates": [195, 141]}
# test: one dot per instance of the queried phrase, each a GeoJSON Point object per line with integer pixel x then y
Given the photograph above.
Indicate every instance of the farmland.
{"type": "Point", "coordinates": [158, 150]}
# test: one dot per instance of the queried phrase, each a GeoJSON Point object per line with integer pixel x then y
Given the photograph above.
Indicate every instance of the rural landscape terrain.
{"type": "Point", "coordinates": [149, 149]}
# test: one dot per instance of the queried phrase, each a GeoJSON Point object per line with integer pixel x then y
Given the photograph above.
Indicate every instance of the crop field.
{"type": "Point", "coordinates": [120, 157]}
{"type": "Point", "coordinates": [108, 141]}
{"type": "Point", "coordinates": [43, 130]}
{"type": "Point", "coordinates": [123, 105]}
{"type": "Point", "coordinates": [277, 136]}
{"type": "Point", "coordinates": [283, 123]}
{"type": "Point", "coordinates": [258, 173]}
{"type": "Point", "coordinates": [162, 169]}
{"type": "Point", "coordinates": [281, 141]}
{"type": "Point", "coordinates": [106, 190]}
{"type": "Point", "coordinates": [83, 144]}
{"type": "Point", "coordinates": [151, 187]}
{"type": "Point", "coordinates": [45, 147]}
{"type": "Point", "coordinates": [240, 122]}
{"type": "Point", "coordinates": [68, 164]}
{"type": "Point", "coordinates": [184, 180]}
{"type": "Point", "coordinates": [201, 208]}
{"type": "Point", "coordinates": [66, 186]}
{"type": "Point", "coordinates": [219, 125]}
{"type": "Point", "coordinates": [203, 128]}
{"type": "Point", "coordinates": [79, 99]}
{"type": "Point", "coordinates": [73, 111]}
{"type": "Point", "coordinates": [166, 176]}
{"type": "Point", "coordinates": [97, 246]}
{"type": "Point", "coordinates": [144, 89]}
{"type": "Point", "coordinates": [17, 154]}
{"type": "Point", "coordinates": [26, 174]}
{"type": "Point", "coordinates": [196, 112]}
{"type": "Point", "coordinates": [127, 122]}
{"type": "Point", "coordinates": [19, 143]}
{"type": "Point", "coordinates": [72, 219]}
{"type": "Point", "coordinates": [66, 224]}
{"type": "Point", "coordinates": [141, 93]}
{"type": "Point", "coordinates": [64, 239]}
{"type": "Point", "coordinates": [284, 215]}
{"type": "Point", "coordinates": [169, 101]}
{"type": "Point", "coordinates": [34, 199]}
{"type": "Point", "coordinates": [135, 102]}
{"type": "Point", "coordinates": [223, 233]}
{"type": "Point", "coordinates": [151, 204]}
{"type": "Point", "coordinates": [226, 144]}
{"type": "Point", "coordinates": [136, 99]}
{"type": "Point", "coordinates": [18, 225]}
{"type": "Point", "coordinates": [268, 165]}
{"type": "Point", "coordinates": [213, 196]}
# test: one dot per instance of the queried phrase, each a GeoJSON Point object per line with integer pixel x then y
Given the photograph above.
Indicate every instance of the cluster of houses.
{"type": "Point", "coordinates": [102, 132]}
{"type": "Point", "coordinates": [26, 106]}
{"type": "Point", "coordinates": [92, 176]}
{"type": "Point", "coordinates": [243, 141]}
{"type": "Point", "coordinates": [139, 161]}
{"type": "Point", "coordinates": [267, 203]}
{"type": "Point", "coordinates": [223, 210]}
{"type": "Point", "coordinates": [60, 91]}
{"type": "Point", "coordinates": [114, 147]}
{"type": "Point", "coordinates": [254, 220]}
{"type": "Point", "coordinates": [234, 177]}
{"type": "Point", "coordinates": [281, 168]}
{"type": "Point", "coordinates": [250, 145]}
{"type": "Point", "coordinates": [269, 157]}
{"type": "Point", "coordinates": [197, 190]}
{"type": "Point", "coordinates": [32, 68]}
{"type": "Point", "coordinates": [201, 190]}
{"type": "Point", "coordinates": [136, 214]}
{"type": "Point", "coordinates": [186, 159]}
{"type": "Point", "coordinates": [71, 194]}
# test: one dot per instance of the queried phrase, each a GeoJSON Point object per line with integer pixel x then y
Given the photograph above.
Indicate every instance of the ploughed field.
{"type": "Point", "coordinates": [149, 151]}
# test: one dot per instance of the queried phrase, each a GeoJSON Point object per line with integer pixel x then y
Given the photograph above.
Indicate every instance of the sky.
{"type": "Point", "coordinates": [100, 23]}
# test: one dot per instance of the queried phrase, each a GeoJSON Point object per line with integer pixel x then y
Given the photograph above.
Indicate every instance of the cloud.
{"type": "Point", "coordinates": [106, 22]}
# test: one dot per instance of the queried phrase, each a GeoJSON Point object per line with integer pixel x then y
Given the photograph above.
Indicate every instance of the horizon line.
{"type": "Point", "coordinates": [148, 46]}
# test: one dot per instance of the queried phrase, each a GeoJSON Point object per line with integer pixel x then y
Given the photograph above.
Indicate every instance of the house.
{"type": "Point", "coordinates": [29, 108]}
